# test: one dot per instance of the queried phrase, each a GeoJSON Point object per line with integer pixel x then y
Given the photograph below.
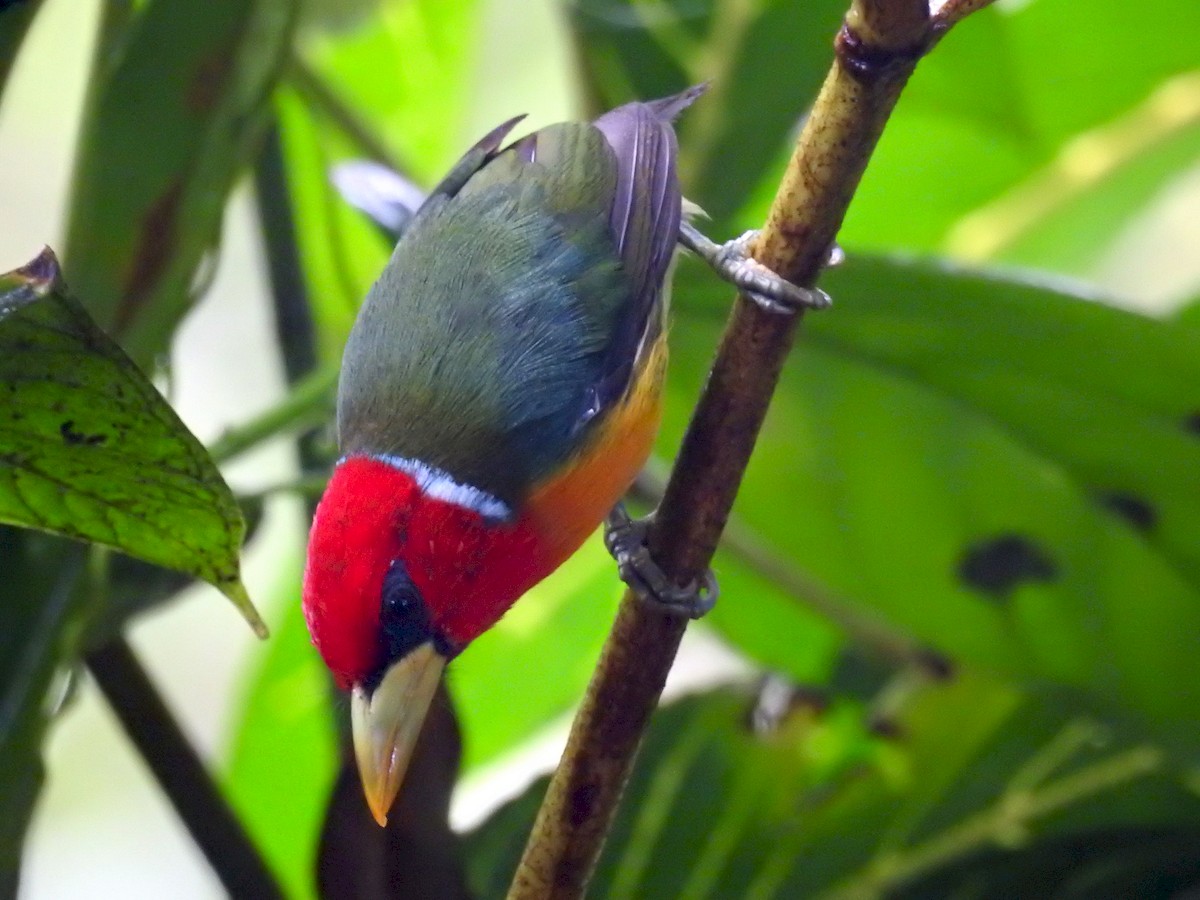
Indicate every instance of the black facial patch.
{"type": "Point", "coordinates": [404, 622]}
{"type": "Point", "coordinates": [998, 565]}
{"type": "Point", "coordinates": [1134, 510]}
{"type": "Point", "coordinates": [1192, 423]}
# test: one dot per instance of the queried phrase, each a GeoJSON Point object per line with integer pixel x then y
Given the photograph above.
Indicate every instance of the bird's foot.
{"type": "Point", "coordinates": [732, 261]}
{"type": "Point", "coordinates": [626, 541]}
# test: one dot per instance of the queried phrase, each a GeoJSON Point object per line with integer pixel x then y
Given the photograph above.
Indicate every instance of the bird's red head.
{"type": "Point", "coordinates": [405, 568]}
{"type": "Point", "coordinates": [393, 564]}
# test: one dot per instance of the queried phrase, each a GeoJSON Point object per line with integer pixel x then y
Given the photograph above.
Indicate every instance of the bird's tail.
{"type": "Point", "coordinates": [669, 107]}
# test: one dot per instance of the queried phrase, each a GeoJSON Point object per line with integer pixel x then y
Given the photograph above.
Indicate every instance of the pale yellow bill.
{"type": "Point", "coordinates": [386, 725]}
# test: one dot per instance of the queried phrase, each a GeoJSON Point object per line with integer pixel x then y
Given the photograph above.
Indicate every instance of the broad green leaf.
{"type": "Point", "coordinates": [408, 72]}
{"type": "Point", "coordinates": [816, 807]}
{"type": "Point", "coordinates": [765, 60]}
{"type": "Point", "coordinates": [284, 755]}
{"type": "Point", "coordinates": [1109, 394]}
{"type": "Point", "coordinates": [1004, 472]}
{"type": "Point", "coordinates": [766, 618]}
{"type": "Point", "coordinates": [14, 22]}
{"type": "Point", "coordinates": [1061, 128]}
{"type": "Point", "coordinates": [170, 126]}
{"type": "Point", "coordinates": [1066, 215]}
{"type": "Point", "coordinates": [90, 450]}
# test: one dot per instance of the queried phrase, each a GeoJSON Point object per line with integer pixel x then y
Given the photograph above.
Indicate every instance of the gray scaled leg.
{"type": "Point", "coordinates": [626, 541]}
{"type": "Point", "coordinates": [733, 262]}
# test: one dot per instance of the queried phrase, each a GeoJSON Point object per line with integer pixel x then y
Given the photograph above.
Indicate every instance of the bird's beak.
{"type": "Point", "coordinates": [385, 724]}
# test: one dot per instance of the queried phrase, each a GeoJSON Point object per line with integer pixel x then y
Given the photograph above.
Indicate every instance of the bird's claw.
{"type": "Point", "coordinates": [732, 261]}
{"type": "Point", "coordinates": [625, 539]}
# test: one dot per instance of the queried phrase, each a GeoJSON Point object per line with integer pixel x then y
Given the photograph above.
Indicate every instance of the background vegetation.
{"type": "Point", "coordinates": [967, 545]}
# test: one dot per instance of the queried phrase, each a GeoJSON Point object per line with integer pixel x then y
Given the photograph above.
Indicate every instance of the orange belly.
{"type": "Point", "coordinates": [572, 504]}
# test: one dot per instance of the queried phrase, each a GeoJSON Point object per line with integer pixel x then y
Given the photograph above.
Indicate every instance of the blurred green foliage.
{"type": "Point", "coordinates": [970, 529]}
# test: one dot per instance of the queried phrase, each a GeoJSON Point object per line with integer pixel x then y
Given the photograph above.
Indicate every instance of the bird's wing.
{"type": "Point", "coordinates": [512, 312]}
{"type": "Point", "coordinates": [644, 221]}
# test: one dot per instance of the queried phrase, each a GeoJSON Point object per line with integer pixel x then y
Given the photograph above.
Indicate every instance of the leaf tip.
{"type": "Point", "coordinates": [236, 591]}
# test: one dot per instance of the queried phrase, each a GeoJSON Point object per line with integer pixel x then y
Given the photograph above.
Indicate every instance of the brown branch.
{"type": "Point", "coordinates": [876, 51]}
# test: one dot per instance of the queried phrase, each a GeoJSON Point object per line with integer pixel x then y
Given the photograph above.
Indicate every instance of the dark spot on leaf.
{"type": "Point", "coordinates": [76, 438]}
{"type": "Point", "coordinates": [885, 727]}
{"type": "Point", "coordinates": [935, 665]}
{"type": "Point", "coordinates": [999, 565]}
{"type": "Point", "coordinates": [583, 803]}
{"type": "Point", "coordinates": [156, 245]}
{"type": "Point", "coordinates": [1192, 423]}
{"type": "Point", "coordinates": [1137, 512]}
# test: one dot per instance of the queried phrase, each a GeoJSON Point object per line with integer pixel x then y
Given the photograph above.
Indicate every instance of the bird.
{"type": "Point", "coordinates": [499, 392]}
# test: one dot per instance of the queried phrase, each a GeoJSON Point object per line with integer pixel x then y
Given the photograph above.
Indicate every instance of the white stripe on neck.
{"type": "Point", "coordinates": [441, 485]}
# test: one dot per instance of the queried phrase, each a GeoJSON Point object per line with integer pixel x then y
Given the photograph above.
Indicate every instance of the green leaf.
{"type": "Point", "coordinates": [1066, 215]}
{"type": "Point", "coordinates": [281, 795]}
{"type": "Point", "coordinates": [90, 450]}
{"type": "Point", "coordinates": [812, 805]}
{"type": "Point", "coordinates": [171, 124]}
{"type": "Point", "coordinates": [1002, 471]}
{"type": "Point", "coordinates": [409, 74]}
{"type": "Point", "coordinates": [1017, 118]}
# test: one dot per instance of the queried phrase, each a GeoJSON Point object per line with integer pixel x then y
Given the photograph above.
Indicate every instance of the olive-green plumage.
{"type": "Point", "coordinates": [517, 303]}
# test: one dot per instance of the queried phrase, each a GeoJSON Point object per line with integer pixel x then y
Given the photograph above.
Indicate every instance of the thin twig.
{"type": "Point", "coordinates": [876, 51]}
{"type": "Point", "coordinates": [309, 403]}
{"type": "Point", "coordinates": [180, 772]}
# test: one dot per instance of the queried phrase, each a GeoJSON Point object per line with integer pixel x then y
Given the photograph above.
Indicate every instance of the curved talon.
{"type": "Point", "coordinates": [732, 261]}
{"type": "Point", "coordinates": [626, 541]}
